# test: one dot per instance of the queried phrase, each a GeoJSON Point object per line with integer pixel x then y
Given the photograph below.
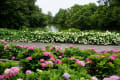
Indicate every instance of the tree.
{"type": "Point", "coordinates": [18, 13]}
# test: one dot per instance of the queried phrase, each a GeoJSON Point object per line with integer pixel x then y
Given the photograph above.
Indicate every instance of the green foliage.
{"type": "Point", "coordinates": [86, 37]}
{"type": "Point", "coordinates": [100, 64]}
{"type": "Point", "coordinates": [16, 14]}
{"type": "Point", "coordinates": [5, 65]}
{"type": "Point", "coordinates": [90, 16]}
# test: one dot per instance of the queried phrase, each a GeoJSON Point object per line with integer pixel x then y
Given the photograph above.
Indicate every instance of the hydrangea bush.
{"type": "Point", "coordinates": [104, 38]}
{"type": "Point", "coordinates": [54, 63]}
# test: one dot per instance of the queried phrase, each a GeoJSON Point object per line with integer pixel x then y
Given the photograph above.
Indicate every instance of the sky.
{"type": "Point", "coordinates": [54, 5]}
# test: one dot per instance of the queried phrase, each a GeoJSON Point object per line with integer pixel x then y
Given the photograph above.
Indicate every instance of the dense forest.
{"type": "Point", "coordinates": [16, 14]}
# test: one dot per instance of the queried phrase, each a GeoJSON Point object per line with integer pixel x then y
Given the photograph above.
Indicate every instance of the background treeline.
{"type": "Point", "coordinates": [17, 14]}
{"type": "Point", "coordinates": [90, 16]}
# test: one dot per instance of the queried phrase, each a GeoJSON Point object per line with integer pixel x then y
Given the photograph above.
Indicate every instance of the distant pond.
{"type": "Point", "coordinates": [53, 28]}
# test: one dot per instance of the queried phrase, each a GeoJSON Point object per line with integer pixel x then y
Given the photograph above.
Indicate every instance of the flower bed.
{"type": "Point", "coordinates": [103, 38]}
{"type": "Point", "coordinates": [53, 63]}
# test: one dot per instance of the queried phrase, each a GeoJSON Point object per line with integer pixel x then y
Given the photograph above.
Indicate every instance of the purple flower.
{"type": "Point", "coordinates": [114, 77]}
{"type": "Point", "coordinates": [106, 79]}
{"type": "Point", "coordinates": [28, 72]}
{"type": "Point", "coordinates": [66, 76]}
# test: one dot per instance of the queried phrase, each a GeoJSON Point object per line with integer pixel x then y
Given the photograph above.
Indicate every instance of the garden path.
{"type": "Point", "coordinates": [63, 45]}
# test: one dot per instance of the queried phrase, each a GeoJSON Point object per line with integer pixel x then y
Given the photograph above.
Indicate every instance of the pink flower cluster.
{"type": "Point", "coordinates": [29, 58]}
{"type": "Point", "coordinates": [30, 47]}
{"type": "Point", "coordinates": [5, 47]}
{"type": "Point", "coordinates": [81, 63]}
{"type": "Point", "coordinates": [112, 78]}
{"type": "Point", "coordinates": [18, 45]}
{"type": "Point", "coordinates": [13, 57]}
{"type": "Point", "coordinates": [3, 41]}
{"type": "Point", "coordinates": [105, 51]}
{"type": "Point", "coordinates": [112, 57]}
{"type": "Point", "coordinates": [13, 71]}
{"type": "Point", "coordinates": [56, 48]}
{"type": "Point", "coordinates": [96, 55]}
{"type": "Point", "coordinates": [28, 72]}
{"type": "Point", "coordinates": [43, 65]}
{"type": "Point", "coordinates": [43, 48]}
{"type": "Point", "coordinates": [58, 61]}
{"type": "Point", "coordinates": [88, 60]}
{"type": "Point", "coordinates": [49, 54]}
{"type": "Point", "coordinates": [72, 46]}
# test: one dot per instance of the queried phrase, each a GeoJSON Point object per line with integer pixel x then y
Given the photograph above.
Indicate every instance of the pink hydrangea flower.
{"type": "Point", "coordinates": [50, 62]}
{"type": "Point", "coordinates": [1, 77]}
{"type": "Point", "coordinates": [42, 60]}
{"type": "Point", "coordinates": [21, 46]}
{"type": "Point", "coordinates": [13, 71]}
{"type": "Point", "coordinates": [6, 72]}
{"type": "Point", "coordinates": [46, 53]}
{"type": "Point", "coordinates": [106, 79]}
{"type": "Point", "coordinates": [43, 65]}
{"type": "Point", "coordinates": [112, 58]}
{"type": "Point", "coordinates": [72, 58]}
{"type": "Point", "coordinates": [94, 78]}
{"type": "Point", "coordinates": [5, 47]}
{"type": "Point", "coordinates": [3, 41]}
{"type": "Point", "coordinates": [13, 57]}
{"type": "Point", "coordinates": [90, 61]}
{"type": "Point", "coordinates": [114, 55]}
{"type": "Point", "coordinates": [28, 72]}
{"type": "Point", "coordinates": [81, 63]}
{"type": "Point", "coordinates": [72, 46]}
{"type": "Point", "coordinates": [58, 61]}
{"type": "Point", "coordinates": [107, 51]}
{"type": "Point", "coordinates": [77, 60]}
{"type": "Point", "coordinates": [50, 55]}
{"type": "Point", "coordinates": [43, 48]}
{"type": "Point", "coordinates": [113, 50]}
{"type": "Point", "coordinates": [31, 48]}
{"type": "Point", "coordinates": [114, 77]}
{"type": "Point", "coordinates": [60, 57]}
{"type": "Point", "coordinates": [26, 46]}
{"type": "Point", "coordinates": [51, 48]}
{"type": "Point", "coordinates": [29, 58]}
{"type": "Point", "coordinates": [56, 48]}
{"type": "Point", "coordinates": [52, 58]}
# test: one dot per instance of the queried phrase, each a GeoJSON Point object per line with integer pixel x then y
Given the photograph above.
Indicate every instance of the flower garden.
{"type": "Point", "coordinates": [53, 63]}
{"type": "Point", "coordinates": [96, 38]}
